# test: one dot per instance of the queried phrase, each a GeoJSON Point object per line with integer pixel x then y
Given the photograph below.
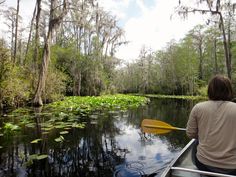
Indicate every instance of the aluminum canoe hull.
{"type": "Point", "coordinates": [184, 166]}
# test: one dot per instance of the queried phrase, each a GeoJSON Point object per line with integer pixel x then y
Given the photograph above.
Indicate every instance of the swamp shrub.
{"type": "Point", "coordinates": [202, 91]}
{"type": "Point", "coordinates": [15, 87]}
{"type": "Point", "coordinates": [55, 87]}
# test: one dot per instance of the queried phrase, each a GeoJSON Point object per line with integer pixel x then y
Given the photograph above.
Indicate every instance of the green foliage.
{"type": "Point", "coordinates": [34, 157]}
{"type": "Point", "coordinates": [36, 141]}
{"type": "Point", "coordinates": [60, 139]}
{"type": "Point", "coordinates": [87, 75]}
{"type": "Point", "coordinates": [4, 62]}
{"type": "Point", "coordinates": [181, 68]}
{"type": "Point", "coordinates": [202, 91]}
{"type": "Point", "coordinates": [16, 88]}
{"type": "Point", "coordinates": [84, 105]}
{"type": "Point", "coordinates": [55, 87]}
{"type": "Point", "coordinates": [10, 129]}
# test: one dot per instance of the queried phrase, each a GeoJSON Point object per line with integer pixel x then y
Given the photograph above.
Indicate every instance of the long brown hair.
{"type": "Point", "coordinates": [220, 88]}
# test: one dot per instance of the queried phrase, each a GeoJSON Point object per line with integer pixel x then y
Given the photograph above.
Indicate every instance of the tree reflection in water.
{"type": "Point", "coordinates": [111, 144]}
{"type": "Point", "coordinates": [92, 151]}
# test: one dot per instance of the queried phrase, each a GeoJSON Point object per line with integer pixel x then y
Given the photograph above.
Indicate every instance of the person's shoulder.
{"type": "Point", "coordinates": [203, 103]}
{"type": "Point", "coordinates": [233, 104]}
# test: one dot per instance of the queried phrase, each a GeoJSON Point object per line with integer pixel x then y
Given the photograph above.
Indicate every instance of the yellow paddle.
{"type": "Point", "coordinates": [149, 126]}
{"type": "Point", "coordinates": [155, 130]}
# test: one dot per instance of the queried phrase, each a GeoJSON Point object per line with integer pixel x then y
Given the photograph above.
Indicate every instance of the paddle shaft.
{"type": "Point", "coordinates": [164, 127]}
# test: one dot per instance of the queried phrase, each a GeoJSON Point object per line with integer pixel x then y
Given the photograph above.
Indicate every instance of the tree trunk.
{"type": "Point", "coordinates": [16, 31]}
{"type": "Point", "coordinates": [43, 71]}
{"type": "Point", "coordinates": [12, 40]}
{"type": "Point", "coordinates": [226, 48]}
{"type": "Point", "coordinates": [53, 22]}
{"type": "Point", "coordinates": [229, 47]}
{"type": "Point", "coordinates": [200, 61]}
{"type": "Point", "coordinates": [79, 83]}
{"type": "Point", "coordinates": [30, 32]}
{"type": "Point", "coordinates": [1, 2]}
{"type": "Point", "coordinates": [215, 57]}
{"type": "Point", "coordinates": [36, 49]}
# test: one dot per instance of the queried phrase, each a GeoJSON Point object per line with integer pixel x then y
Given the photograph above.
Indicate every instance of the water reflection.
{"type": "Point", "coordinates": [110, 145]}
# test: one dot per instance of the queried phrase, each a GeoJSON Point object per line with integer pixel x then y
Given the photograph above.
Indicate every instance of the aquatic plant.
{"type": "Point", "coordinates": [87, 104]}
{"type": "Point", "coordinates": [60, 139]}
{"type": "Point", "coordinates": [33, 157]}
{"type": "Point", "coordinates": [10, 129]}
{"type": "Point", "coordinates": [65, 115]}
{"type": "Point", "coordinates": [36, 141]}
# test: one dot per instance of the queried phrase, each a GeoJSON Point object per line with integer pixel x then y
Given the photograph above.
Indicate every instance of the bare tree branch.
{"type": "Point", "coordinates": [1, 2]}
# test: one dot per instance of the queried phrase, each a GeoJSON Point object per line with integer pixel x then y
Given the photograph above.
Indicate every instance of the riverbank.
{"type": "Point", "coordinates": [185, 97]}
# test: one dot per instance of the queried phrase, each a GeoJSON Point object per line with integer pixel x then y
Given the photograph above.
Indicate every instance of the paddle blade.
{"type": "Point", "coordinates": [151, 123]}
{"type": "Point", "coordinates": [155, 130]}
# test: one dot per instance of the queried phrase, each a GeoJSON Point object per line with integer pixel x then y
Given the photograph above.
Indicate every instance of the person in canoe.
{"type": "Point", "coordinates": [213, 124]}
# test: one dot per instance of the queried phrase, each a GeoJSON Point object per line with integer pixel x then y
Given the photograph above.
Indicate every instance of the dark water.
{"type": "Point", "coordinates": [111, 145]}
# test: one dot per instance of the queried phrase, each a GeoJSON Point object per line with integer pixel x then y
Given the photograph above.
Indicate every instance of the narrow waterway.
{"type": "Point", "coordinates": [110, 145]}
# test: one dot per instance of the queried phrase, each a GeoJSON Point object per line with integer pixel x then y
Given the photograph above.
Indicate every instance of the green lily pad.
{"type": "Point", "coordinates": [64, 132]}
{"type": "Point", "coordinates": [42, 156]}
{"type": "Point", "coordinates": [75, 125]}
{"type": "Point", "coordinates": [67, 128]}
{"type": "Point", "coordinates": [59, 126]}
{"type": "Point", "coordinates": [60, 139]}
{"type": "Point", "coordinates": [33, 156]}
{"type": "Point", "coordinates": [45, 133]}
{"type": "Point", "coordinates": [35, 141]}
{"type": "Point", "coordinates": [47, 128]}
{"type": "Point", "coordinates": [30, 125]}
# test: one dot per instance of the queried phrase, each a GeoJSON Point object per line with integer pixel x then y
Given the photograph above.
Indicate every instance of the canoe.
{"type": "Point", "coordinates": [184, 166]}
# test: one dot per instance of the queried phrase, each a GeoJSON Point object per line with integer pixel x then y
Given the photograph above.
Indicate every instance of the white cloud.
{"type": "Point", "coordinates": [116, 7]}
{"type": "Point", "coordinates": [154, 28]}
{"type": "Point", "coordinates": [142, 6]}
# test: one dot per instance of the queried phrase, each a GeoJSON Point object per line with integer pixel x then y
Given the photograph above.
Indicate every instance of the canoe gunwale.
{"type": "Point", "coordinates": [174, 167]}
{"type": "Point", "coordinates": [201, 172]}
{"type": "Point", "coordinates": [168, 168]}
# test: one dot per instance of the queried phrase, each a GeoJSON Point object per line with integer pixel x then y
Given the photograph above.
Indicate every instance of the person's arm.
{"type": "Point", "coordinates": [192, 126]}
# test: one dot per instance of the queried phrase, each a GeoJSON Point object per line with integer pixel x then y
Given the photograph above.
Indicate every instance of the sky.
{"type": "Point", "coordinates": [145, 22]}
{"type": "Point", "coordinates": [148, 23]}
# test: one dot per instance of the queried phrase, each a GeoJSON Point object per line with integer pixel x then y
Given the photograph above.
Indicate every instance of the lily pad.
{"type": "Point", "coordinates": [33, 156]}
{"type": "Point", "coordinates": [42, 156]}
{"type": "Point", "coordinates": [47, 128]}
{"type": "Point", "coordinates": [30, 125]}
{"type": "Point", "coordinates": [60, 139]}
{"type": "Point", "coordinates": [45, 133]}
{"type": "Point", "coordinates": [75, 125]}
{"type": "Point", "coordinates": [67, 128]}
{"type": "Point", "coordinates": [35, 141]}
{"type": "Point", "coordinates": [64, 132]}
